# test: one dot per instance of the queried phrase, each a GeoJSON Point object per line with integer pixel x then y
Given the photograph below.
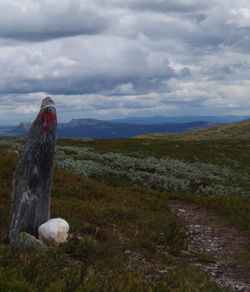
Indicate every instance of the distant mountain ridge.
{"type": "Point", "coordinates": [93, 128]}
{"type": "Point", "coordinates": [181, 119]}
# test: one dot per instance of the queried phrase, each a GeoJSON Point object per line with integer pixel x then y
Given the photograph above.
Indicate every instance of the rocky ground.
{"type": "Point", "coordinates": [217, 249]}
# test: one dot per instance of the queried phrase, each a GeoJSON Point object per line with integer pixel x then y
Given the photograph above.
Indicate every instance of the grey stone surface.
{"type": "Point", "coordinates": [32, 178]}
{"type": "Point", "coordinates": [29, 242]}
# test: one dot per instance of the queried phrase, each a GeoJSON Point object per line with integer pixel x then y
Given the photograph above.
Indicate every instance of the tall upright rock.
{"type": "Point", "coordinates": [32, 178]}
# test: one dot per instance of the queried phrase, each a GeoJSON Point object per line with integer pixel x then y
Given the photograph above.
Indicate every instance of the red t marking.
{"type": "Point", "coordinates": [47, 118]}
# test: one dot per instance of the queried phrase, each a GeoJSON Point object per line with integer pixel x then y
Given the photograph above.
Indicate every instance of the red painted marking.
{"type": "Point", "coordinates": [47, 118]}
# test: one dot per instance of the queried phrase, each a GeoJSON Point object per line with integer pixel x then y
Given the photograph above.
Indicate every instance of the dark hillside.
{"type": "Point", "coordinates": [240, 130]}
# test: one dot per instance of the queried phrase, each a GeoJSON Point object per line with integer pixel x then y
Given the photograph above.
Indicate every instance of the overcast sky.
{"type": "Point", "coordinates": [115, 58]}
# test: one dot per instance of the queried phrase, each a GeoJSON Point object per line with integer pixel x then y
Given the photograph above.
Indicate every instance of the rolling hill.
{"type": "Point", "coordinates": [240, 130]}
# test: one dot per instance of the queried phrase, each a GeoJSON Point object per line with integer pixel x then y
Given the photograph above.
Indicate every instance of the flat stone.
{"type": "Point", "coordinates": [29, 242]}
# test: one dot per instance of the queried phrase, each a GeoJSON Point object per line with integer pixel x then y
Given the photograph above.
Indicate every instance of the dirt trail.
{"type": "Point", "coordinates": [223, 245]}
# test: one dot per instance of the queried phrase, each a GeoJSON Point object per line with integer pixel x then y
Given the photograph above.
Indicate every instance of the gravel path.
{"type": "Point", "coordinates": [214, 247]}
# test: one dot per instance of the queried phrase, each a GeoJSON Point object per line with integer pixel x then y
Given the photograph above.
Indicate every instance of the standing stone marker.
{"type": "Point", "coordinates": [32, 178]}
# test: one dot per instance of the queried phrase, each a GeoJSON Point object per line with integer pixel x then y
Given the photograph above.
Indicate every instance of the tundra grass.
{"type": "Point", "coordinates": [122, 239]}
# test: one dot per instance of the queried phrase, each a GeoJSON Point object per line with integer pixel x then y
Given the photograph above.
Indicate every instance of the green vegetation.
{"type": "Point", "coordinates": [123, 239]}
{"type": "Point", "coordinates": [123, 235]}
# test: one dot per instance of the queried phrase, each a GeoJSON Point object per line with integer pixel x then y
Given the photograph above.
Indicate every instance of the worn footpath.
{"type": "Point", "coordinates": [217, 249]}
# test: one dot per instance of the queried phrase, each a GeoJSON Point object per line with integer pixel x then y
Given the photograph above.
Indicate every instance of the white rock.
{"type": "Point", "coordinates": [53, 231]}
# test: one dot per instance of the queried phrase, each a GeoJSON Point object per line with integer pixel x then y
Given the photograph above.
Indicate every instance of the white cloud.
{"type": "Point", "coordinates": [240, 17]}
{"type": "Point", "coordinates": [26, 109]}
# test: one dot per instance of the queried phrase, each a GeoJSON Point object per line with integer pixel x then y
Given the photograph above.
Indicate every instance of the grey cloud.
{"type": "Point", "coordinates": [185, 72]}
{"type": "Point", "coordinates": [211, 28]}
{"type": "Point", "coordinates": [94, 70]}
{"type": "Point", "coordinates": [116, 104]}
{"type": "Point", "coordinates": [184, 104]}
{"type": "Point", "coordinates": [182, 6]}
{"type": "Point", "coordinates": [197, 17]}
{"type": "Point", "coordinates": [125, 57]}
{"type": "Point", "coordinates": [44, 20]}
{"type": "Point", "coordinates": [227, 71]}
{"type": "Point", "coordinates": [218, 29]}
{"type": "Point", "coordinates": [105, 83]}
{"type": "Point", "coordinates": [220, 72]}
{"type": "Point", "coordinates": [169, 5]}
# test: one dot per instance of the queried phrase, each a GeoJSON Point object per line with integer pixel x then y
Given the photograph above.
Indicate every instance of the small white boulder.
{"type": "Point", "coordinates": [54, 231]}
